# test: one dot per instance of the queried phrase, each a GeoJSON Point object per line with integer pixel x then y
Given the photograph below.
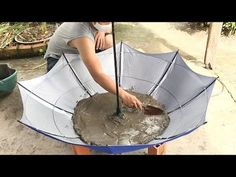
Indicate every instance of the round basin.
{"type": "Point", "coordinates": [8, 79]}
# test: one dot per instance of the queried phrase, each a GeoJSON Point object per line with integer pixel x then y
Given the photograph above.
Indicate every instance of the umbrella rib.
{"type": "Point", "coordinates": [118, 110]}
{"type": "Point", "coordinates": [44, 99]}
{"type": "Point", "coordinates": [193, 97]}
{"type": "Point", "coordinates": [162, 77]}
{"type": "Point", "coordinates": [85, 89]}
{"type": "Point", "coordinates": [45, 132]}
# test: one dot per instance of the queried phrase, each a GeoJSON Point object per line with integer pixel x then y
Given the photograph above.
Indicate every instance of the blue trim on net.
{"type": "Point", "coordinates": [114, 149]}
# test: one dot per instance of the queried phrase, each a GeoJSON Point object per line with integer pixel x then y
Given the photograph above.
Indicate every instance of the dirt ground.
{"type": "Point", "coordinates": [216, 137]}
{"type": "Point", "coordinates": [14, 137]}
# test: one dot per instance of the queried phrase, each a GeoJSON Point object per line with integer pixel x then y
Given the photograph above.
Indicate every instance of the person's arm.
{"type": "Point", "coordinates": [86, 49]}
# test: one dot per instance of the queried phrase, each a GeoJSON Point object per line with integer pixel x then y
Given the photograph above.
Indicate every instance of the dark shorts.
{"type": "Point", "coordinates": [50, 63]}
{"type": "Point", "coordinates": [98, 50]}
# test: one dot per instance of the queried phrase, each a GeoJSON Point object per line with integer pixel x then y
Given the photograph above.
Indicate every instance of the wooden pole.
{"type": "Point", "coordinates": [214, 33]}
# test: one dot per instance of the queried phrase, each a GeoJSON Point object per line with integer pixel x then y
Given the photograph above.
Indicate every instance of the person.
{"type": "Point", "coordinates": [87, 38]}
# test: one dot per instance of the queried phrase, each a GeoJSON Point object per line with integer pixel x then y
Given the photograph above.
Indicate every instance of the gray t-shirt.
{"type": "Point", "coordinates": [66, 32]}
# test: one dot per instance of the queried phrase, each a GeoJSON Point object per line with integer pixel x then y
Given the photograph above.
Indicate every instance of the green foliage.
{"type": "Point", "coordinates": [9, 30]}
{"type": "Point", "coordinates": [229, 28]}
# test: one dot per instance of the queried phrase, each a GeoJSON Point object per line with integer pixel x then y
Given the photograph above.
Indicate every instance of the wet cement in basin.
{"type": "Point", "coordinates": [95, 123]}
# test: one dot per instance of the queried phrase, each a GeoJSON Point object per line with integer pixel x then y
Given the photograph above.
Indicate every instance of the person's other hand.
{"type": "Point", "coordinates": [100, 40]}
{"type": "Point", "coordinates": [131, 101]}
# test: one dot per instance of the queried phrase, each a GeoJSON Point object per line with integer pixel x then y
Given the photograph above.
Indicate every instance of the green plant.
{"type": "Point", "coordinates": [199, 25]}
{"type": "Point", "coordinates": [9, 30]}
{"type": "Point", "coordinates": [229, 28]}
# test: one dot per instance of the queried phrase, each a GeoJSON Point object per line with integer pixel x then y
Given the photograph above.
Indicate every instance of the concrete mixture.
{"type": "Point", "coordinates": [95, 123]}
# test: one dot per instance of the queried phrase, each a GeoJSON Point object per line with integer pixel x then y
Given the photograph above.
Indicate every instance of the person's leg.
{"type": "Point", "coordinates": [50, 63]}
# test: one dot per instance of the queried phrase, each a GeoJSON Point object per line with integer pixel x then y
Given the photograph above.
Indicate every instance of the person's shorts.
{"type": "Point", "coordinates": [98, 50]}
{"type": "Point", "coordinates": [50, 63]}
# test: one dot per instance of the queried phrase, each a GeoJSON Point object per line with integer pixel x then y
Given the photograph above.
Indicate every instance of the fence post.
{"type": "Point", "coordinates": [214, 33]}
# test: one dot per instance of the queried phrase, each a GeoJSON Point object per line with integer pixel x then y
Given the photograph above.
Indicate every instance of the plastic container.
{"type": "Point", "coordinates": [8, 79]}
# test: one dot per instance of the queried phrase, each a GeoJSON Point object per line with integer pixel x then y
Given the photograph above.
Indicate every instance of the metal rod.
{"type": "Point", "coordinates": [42, 98]}
{"type": "Point", "coordinates": [165, 72]}
{"type": "Point", "coordinates": [118, 110]}
{"type": "Point", "coordinates": [85, 89]}
{"type": "Point", "coordinates": [120, 62]}
{"type": "Point", "coordinates": [193, 97]}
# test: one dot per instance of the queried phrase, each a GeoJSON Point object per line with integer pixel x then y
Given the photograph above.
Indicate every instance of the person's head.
{"type": "Point", "coordinates": [102, 26]}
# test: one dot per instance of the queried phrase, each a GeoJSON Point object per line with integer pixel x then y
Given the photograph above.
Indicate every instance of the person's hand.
{"type": "Point", "coordinates": [100, 40]}
{"type": "Point", "coordinates": [130, 100]}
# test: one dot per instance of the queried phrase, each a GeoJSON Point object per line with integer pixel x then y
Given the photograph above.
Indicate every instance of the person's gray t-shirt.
{"type": "Point", "coordinates": [66, 32]}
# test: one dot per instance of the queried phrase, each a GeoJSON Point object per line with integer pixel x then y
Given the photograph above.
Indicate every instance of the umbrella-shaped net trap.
{"type": "Point", "coordinates": [49, 101]}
